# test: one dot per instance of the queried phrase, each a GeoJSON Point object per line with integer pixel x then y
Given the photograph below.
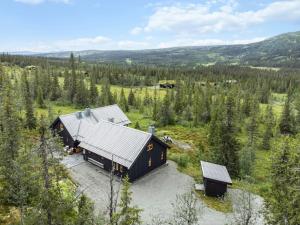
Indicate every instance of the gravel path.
{"type": "Point", "coordinates": [154, 192]}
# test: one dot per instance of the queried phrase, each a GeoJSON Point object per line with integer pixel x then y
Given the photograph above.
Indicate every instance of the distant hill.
{"type": "Point", "coordinates": [278, 51]}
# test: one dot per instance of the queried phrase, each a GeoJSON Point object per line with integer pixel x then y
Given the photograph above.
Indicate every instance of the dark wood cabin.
{"type": "Point", "coordinates": [110, 144]}
{"type": "Point", "coordinates": [167, 85]}
{"type": "Point", "coordinates": [215, 179]}
{"type": "Point", "coordinates": [152, 155]}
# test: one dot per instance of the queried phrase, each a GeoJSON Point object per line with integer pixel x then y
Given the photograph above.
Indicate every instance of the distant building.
{"type": "Point", "coordinates": [166, 85]}
{"type": "Point", "coordinates": [105, 140]}
{"type": "Point", "coordinates": [215, 179]}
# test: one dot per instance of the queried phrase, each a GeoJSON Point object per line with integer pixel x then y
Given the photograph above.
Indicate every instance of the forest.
{"type": "Point", "coordinates": [247, 119]}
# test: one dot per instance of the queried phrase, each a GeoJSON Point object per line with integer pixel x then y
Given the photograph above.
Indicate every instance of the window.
{"type": "Point", "coordinates": [149, 162]}
{"type": "Point", "coordinates": [149, 147]}
{"type": "Point", "coordinates": [61, 127]}
{"type": "Point", "coordinates": [121, 168]}
{"type": "Point", "coordinates": [116, 166]}
{"type": "Point", "coordinates": [162, 156]}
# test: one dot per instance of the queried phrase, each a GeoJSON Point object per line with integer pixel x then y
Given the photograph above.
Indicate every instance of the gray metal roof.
{"type": "Point", "coordinates": [113, 141]}
{"type": "Point", "coordinates": [111, 113]}
{"type": "Point", "coordinates": [215, 172]}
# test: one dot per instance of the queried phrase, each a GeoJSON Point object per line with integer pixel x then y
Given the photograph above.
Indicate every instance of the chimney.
{"type": "Point", "coordinates": [87, 112]}
{"type": "Point", "coordinates": [79, 115]}
{"type": "Point", "coordinates": [111, 119]}
{"type": "Point", "coordinates": [151, 129]}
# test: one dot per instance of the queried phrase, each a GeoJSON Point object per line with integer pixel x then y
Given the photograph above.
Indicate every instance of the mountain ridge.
{"type": "Point", "coordinates": [279, 51]}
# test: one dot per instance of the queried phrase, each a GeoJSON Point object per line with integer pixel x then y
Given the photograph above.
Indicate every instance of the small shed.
{"type": "Point", "coordinates": [215, 179]}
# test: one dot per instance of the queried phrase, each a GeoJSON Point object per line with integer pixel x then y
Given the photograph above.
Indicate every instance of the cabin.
{"type": "Point", "coordinates": [215, 179]}
{"type": "Point", "coordinates": [103, 137]}
{"type": "Point", "coordinates": [167, 85]}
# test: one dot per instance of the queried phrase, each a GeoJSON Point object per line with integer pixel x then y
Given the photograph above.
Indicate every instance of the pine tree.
{"type": "Point", "coordinates": [131, 98]}
{"type": "Point", "coordinates": [106, 97]}
{"type": "Point", "coordinates": [268, 133]}
{"type": "Point", "coordinates": [155, 106]}
{"type": "Point", "coordinates": [93, 91]}
{"type": "Point", "coordinates": [1, 76]}
{"type": "Point", "coordinates": [10, 141]}
{"type": "Point", "coordinates": [246, 107]}
{"type": "Point", "coordinates": [286, 124]}
{"type": "Point", "coordinates": [40, 99]}
{"type": "Point", "coordinates": [166, 114]}
{"type": "Point", "coordinates": [223, 140]}
{"type": "Point", "coordinates": [127, 214]}
{"type": "Point", "coordinates": [72, 81]}
{"type": "Point", "coordinates": [55, 89]}
{"type": "Point", "coordinates": [252, 128]}
{"type": "Point", "coordinates": [85, 212]}
{"type": "Point", "coordinates": [81, 97]}
{"type": "Point", "coordinates": [205, 105]}
{"type": "Point", "coordinates": [147, 100]}
{"type": "Point", "coordinates": [197, 106]}
{"type": "Point", "coordinates": [178, 102]}
{"type": "Point", "coordinates": [297, 107]}
{"type": "Point", "coordinates": [123, 101]}
{"type": "Point", "coordinates": [30, 120]}
{"type": "Point", "coordinates": [281, 201]}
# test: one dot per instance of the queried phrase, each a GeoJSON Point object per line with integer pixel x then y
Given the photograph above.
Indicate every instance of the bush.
{"type": "Point", "coordinates": [181, 160]}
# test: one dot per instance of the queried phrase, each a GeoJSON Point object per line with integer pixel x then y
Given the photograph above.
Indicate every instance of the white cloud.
{"type": "Point", "coordinates": [87, 43]}
{"type": "Point", "coordinates": [77, 44]}
{"type": "Point", "coordinates": [83, 43]}
{"type": "Point", "coordinates": [207, 42]}
{"type": "Point", "coordinates": [136, 30]}
{"type": "Point", "coordinates": [36, 2]}
{"type": "Point", "coordinates": [204, 19]}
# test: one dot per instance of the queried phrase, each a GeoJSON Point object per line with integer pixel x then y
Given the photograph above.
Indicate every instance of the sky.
{"type": "Point", "coordinates": [59, 25]}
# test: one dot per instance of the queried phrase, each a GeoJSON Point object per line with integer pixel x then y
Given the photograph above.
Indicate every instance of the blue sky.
{"type": "Point", "coordinates": [56, 25]}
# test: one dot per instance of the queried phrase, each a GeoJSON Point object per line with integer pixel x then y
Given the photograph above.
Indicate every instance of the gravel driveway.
{"type": "Point", "coordinates": [154, 192]}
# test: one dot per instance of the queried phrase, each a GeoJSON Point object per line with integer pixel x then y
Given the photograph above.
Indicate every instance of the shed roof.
{"type": "Point", "coordinates": [215, 172]}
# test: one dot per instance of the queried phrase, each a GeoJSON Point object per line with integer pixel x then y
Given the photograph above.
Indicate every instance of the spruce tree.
{"type": "Point", "coordinates": [297, 107]}
{"type": "Point", "coordinates": [40, 99]}
{"type": "Point", "coordinates": [197, 106]}
{"type": "Point", "coordinates": [55, 91]}
{"type": "Point", "coordinates": [286, 124]}
{"type": "Point", "coordinates": [81, 97]}
{"type": "Point", "coordinates": [30, 120]}
{"type": "Point", "coordinates": [282, 204]}
{"type": "Point", "coordinates": [155, 106]}
{"type": "Point", "coordinates": [131, 98]}
{"type": "Point", "coordinates": [123, 101]}
{"type": "Point", "coordinates": [268, 133]}
{"type": "Point", "coordinates": [10, 142]}
{"type": "Point", "coordinates": [166, 113]}
{"type": "Point", "coordinates": [93, 91]}
{"type": "Point", "coordinates": [127, 214]}
{"type": "Point", "coordinates": [178, 102]}
{"type": "Point", "coordinates": [106, 97]}
{"type": "Point", "coordinates": [72, 81]}
{"type": "Point", "coordinates": [223, 139]}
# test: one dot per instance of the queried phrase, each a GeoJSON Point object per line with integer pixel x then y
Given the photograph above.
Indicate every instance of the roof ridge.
{"type": "Point", "coordinates": [116, 124]}
{"type": "Point", "coordinates": [86, 108]}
